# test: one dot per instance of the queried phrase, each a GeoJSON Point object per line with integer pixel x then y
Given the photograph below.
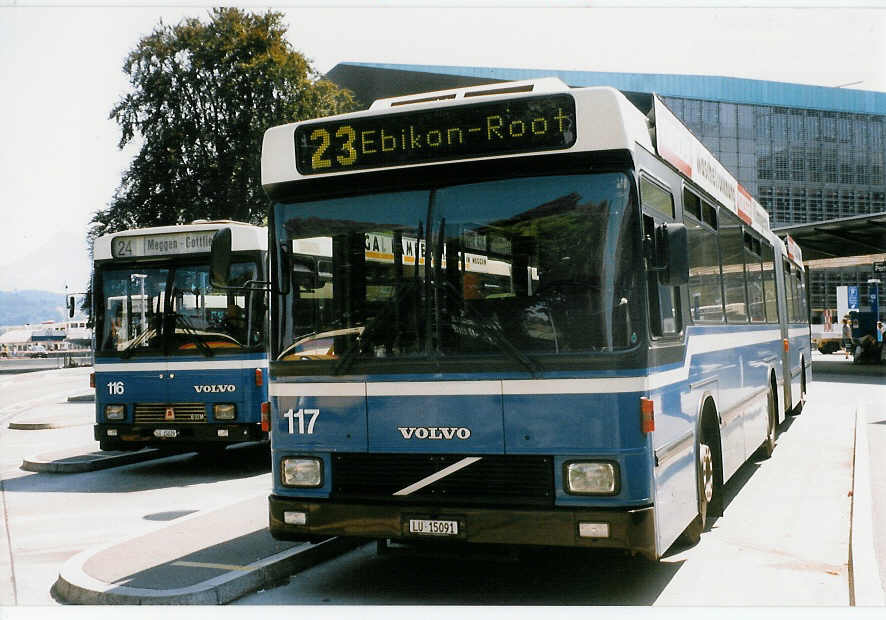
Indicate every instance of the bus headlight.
{"type": "Point", "coordinates": [224, 411]}
{"type": "Point", "coordinates": [115, 412]}
{"type": "Point", "coordinates": [591, 477]}
{"type": "Point", "coordinates": [302, 472]}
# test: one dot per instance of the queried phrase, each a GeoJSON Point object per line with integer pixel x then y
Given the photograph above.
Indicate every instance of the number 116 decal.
{"type": "Point", "coordinates": [300, 415]}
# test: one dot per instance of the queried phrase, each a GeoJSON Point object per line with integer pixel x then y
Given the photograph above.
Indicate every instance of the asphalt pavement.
{"type": "Point", "coordinates": [214, 557]}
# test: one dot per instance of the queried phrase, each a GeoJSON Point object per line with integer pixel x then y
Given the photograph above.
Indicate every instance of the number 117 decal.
{"type": "Point", "coordinates": [300, 415]}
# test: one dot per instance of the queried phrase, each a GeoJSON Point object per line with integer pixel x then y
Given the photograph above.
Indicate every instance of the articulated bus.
{"type": "Point", "coordinates": [520, 314]}
{"type": "Point", "coordinates": [179, 364]}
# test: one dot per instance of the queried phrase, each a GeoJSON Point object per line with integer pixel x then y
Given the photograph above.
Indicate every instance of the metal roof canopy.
{"type": "Point", "coordinates": [859, 235]}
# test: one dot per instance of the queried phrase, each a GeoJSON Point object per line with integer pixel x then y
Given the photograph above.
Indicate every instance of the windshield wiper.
{"type": "Point", "coordinates": [494, 335]}
{"type": "Point", "coordinates": [195, 337]}
{"type": "Point", "coordinates": [126, 352]}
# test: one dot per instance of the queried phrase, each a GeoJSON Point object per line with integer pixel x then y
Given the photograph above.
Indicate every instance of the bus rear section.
{"type": "Point", "coordinates": [179, 364]}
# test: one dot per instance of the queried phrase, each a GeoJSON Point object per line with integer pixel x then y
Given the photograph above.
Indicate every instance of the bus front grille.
{"type": "Point", "coordinates": [494, 479]}
{"type": "Point", "coordinates": [182, 413]}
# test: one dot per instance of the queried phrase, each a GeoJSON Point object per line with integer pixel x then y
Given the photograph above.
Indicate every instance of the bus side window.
{"type": "Point", "coordinates": [798, 298]}
{"type": "Point", "coordinates": [791, 310]}
{"type": "Point", "coordinates": [665, 315]}
{"type": "Point", "coordinates": [732, 253]}
{"type": "Point", "coordinates": [769, 288]}
{"type": "Point", "coordinates": [754, 269]}
{"type": "Point", "coordinates": [801, 297]}
{"type": "Point", "coordinates": [705, 280]}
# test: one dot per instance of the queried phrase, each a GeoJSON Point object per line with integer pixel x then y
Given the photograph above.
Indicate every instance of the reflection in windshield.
{"type": "Point", "coordinates": [204, 319]}
{"type": "Point", "coordinates": [522, 268]}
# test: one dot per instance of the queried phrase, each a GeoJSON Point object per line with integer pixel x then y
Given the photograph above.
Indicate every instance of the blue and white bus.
{"type": "Point", "coordinates": [521, 314]}
{"type": "Point", "coordinates": [179, 364]}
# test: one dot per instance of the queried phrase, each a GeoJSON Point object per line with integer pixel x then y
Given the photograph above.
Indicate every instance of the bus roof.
{"type": "Point", "coordinates": [472, 123]}
{"type": "Point", "coordinates": [178, 239]}
{"type": "Point", "coordinates": [605, 119]}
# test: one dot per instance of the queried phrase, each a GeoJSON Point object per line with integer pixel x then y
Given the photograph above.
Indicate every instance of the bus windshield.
{"type": "Point", "coordinates": [529, 269]}
{"type": "Point", "coordinates": [195, 318]}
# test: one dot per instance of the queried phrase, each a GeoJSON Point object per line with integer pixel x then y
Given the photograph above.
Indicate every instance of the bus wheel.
{"type": "Point", "coordinates": [799, 408]}
{"type": "Point", "coordinates": [704, 473]}
{"type": "Point", "coordinates": [768, 446]}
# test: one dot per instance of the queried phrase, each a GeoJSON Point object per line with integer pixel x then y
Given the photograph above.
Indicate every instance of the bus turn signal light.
{"type": "Point", "coordinates": [787, 345]}
{"type": "Point", "coordinates": [647, 410]}
{"type": "Point", "coordinates": [266, 417]}
{"type": "Point", "coordinates": [259, 380]}
{"type": "Point", "coordinates": [92, 379]}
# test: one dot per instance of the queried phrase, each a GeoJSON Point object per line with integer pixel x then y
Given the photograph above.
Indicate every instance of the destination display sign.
{"type": "Point", "coordinates": [455, 132]}
{"type": "Point", "coordinates": [162, 245]}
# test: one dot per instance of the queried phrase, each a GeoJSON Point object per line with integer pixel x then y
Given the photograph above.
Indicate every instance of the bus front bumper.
{"type": "Point", "coordinates": [174, 435]}
{"type": "Point", "coordinates": [632, 530]}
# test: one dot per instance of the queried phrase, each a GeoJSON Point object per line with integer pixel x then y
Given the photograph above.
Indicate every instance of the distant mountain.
{"type": "Point", "coordinates": [20, 307]}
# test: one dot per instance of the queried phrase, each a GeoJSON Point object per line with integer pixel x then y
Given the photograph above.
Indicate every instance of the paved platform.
{"type": "Point", "coordinates": [58, 415]}
{"type": "Point", "coordinates": [838, 364]}
{"type": "Point", "coordinates": [214, 557]}
{"type": "Point", "coordinates": [208, 558]}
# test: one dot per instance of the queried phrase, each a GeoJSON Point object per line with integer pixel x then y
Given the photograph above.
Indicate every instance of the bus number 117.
{"type": "Point", "coordinates": [300, 416]}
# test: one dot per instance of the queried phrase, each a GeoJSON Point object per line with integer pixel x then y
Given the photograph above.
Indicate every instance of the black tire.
{"type": "Point", "coordinates": [768, 446]}
{"type": "Point", "coordinates": [799, 408]}
{"type": "Point", "coordinates": [705, 484]}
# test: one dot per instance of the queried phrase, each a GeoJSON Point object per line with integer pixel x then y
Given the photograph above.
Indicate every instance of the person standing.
{"type": "Point", "coordinates": [847, 337]}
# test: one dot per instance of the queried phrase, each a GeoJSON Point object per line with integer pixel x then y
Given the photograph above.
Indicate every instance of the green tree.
{"type": "Point", "coordinates": [202, 95]}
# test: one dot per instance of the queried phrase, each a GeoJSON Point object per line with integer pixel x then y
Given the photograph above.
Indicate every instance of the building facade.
{"type": "Point", "coordinates": [807, 153]}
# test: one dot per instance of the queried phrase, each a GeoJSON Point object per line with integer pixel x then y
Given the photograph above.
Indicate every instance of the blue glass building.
{"type": "Point", "coordinates": [807, 153]}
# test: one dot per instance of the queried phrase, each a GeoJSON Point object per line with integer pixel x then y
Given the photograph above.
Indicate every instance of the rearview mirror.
{"type": "Point", "coordinates": [672, 250]}
{"type": "Point", "coordinates": [71, 307]}
{"type": "Point", "coordinates": [220, 258]}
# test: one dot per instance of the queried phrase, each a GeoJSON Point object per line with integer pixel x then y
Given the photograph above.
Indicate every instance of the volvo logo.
{"type": "Point", "coordinates": [434, 432]}
{"type": "Point", "coordinates": [216, 388]}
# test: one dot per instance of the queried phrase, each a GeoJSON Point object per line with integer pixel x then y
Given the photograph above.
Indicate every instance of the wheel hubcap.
{"type": "Point", "coordinates": [707, 471]}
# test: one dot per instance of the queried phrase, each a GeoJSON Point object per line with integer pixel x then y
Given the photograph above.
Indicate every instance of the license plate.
{"type": "Point", "coordinates": [165, 432]}
{"type": "Point", "coordinates": [433, 527]}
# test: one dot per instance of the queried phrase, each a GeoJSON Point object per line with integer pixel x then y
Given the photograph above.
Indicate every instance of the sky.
{"type": "Point", "coordinates": [61, 73]}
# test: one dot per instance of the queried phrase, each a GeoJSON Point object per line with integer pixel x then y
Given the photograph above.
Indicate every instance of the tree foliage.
{"type": "Point", "coordinates": [202, 95]}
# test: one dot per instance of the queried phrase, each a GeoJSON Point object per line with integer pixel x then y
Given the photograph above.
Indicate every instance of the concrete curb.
{"type": "Point", "coordinates": [34, 426]}
{"type": "Point", "coordinates": [82, 398]}
{"type": "Point", "coordinates": [75, 586]}
{"type": "Point", "coordinates": [827, 367]}
{"type": "Point", "coordinates": [90, 463]}
{"type": "Point", "coordinates": [38, 426]}
{"type": "Point", "coordinates": [18, 371]}
{"type": "Point", "coordinates": [867, 588]}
